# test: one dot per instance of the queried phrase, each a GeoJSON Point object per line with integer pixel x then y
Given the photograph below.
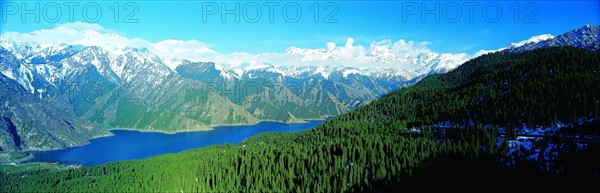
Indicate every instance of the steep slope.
{"type": "Point", "coordinates": [135, 89]}
{"type": "Point", "coordinates": [35, 118]}
{"type": "Point", "coordinates": [270, 94]}
{"type": "Point", "coordinates": [28, 123]}
{"type": "Point", "coordinates": [93, 82]}
{"type": "Point", "coordinates": [531, 88]}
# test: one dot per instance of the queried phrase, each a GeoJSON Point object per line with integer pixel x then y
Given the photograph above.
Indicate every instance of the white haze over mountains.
{"type": "Point", "coordinates": [407, 57]}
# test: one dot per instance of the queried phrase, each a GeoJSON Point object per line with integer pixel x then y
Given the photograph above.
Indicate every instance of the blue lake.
{"type": "Point", "coordinates": [130, 145]}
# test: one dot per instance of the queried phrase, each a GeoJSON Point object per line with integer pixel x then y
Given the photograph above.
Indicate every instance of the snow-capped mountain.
{"type": "Point", "coordinates": [586, 37]}
{"type": "Point", "coordinates": [514, 45]}
{"type": "Point", "coordinates": [37, 52]}
{"type": "Point", "coordinates": [534, 39]}
{"type": "Point", "coordinates": [379, 58]}
{"type": "Point", "coordinates": [135, 88]}
{"type": "Point", "coordinates": [55, 61]}
{"type": "Point", "coordinates": [43, 55]}
{"type": "Point", "coordinates": [31, 118]}
{"type": "Point", "coordinates": [47, 59]}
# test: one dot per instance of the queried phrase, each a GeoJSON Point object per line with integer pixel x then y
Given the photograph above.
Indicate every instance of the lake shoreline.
{"type": "Point", "coordinates": [212, 127]}
{"type": "Point", "coordinates": [31, 154]}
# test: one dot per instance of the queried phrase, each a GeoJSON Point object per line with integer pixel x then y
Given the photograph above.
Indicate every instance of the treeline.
{"type": "Point", "coordinates": [395, 142]}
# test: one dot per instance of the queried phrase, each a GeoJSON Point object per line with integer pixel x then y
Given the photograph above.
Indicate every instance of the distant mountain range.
{"type": "Point", "coordinates": [57, 95]}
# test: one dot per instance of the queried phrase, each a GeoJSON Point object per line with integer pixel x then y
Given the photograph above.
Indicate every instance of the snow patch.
{"type": "Point", "coordinates": [534, 39]}
{"type": "Point", "coordinates": [172, 63]}
{"type": "Point", "coordinates": [322, 71]}
{"type": "Point", "coordinates": [351, 71]}
{"type": "Point", "coordinates": [8, 73]}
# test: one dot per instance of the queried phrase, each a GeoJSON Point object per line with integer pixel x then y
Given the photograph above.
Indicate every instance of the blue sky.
{"type": "Point", "coordinates": [364, 21]}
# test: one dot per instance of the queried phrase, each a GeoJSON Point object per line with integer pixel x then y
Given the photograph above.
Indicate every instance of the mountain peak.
{"type": "Point", "coordinates": [533, 39]}
{"type": "Point", "coordinates": [587, 26]}
{"type": "Point", "coordinates": [586, 29]}
{"type": "Point", "coordinates": [586, 37]}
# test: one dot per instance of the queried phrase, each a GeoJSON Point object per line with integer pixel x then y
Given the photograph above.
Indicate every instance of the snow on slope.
{"type": "Point", "coordinates": [534, 39]}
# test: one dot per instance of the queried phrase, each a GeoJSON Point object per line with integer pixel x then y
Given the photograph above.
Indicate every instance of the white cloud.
{"type": "Point", "coordinates": [398, 49]}
{"type": "Point", "coordinates": [82, 26]}
{"type": "Point", "coordinates": [330, 45]}
{"type": "Point", "coordinates": [332, 52]}
{"type": "Point", "coordinates": [78, 33]}
{"type": "Point", "coordinates": [191, 49]}
{"type": "Point", "coordinates": [86, 34]}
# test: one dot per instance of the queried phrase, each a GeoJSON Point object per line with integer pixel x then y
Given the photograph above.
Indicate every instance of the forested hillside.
{"type": "Point", "coordinates": [538, 87]}
{"type": "Point", "coordinates": [417, 138]}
